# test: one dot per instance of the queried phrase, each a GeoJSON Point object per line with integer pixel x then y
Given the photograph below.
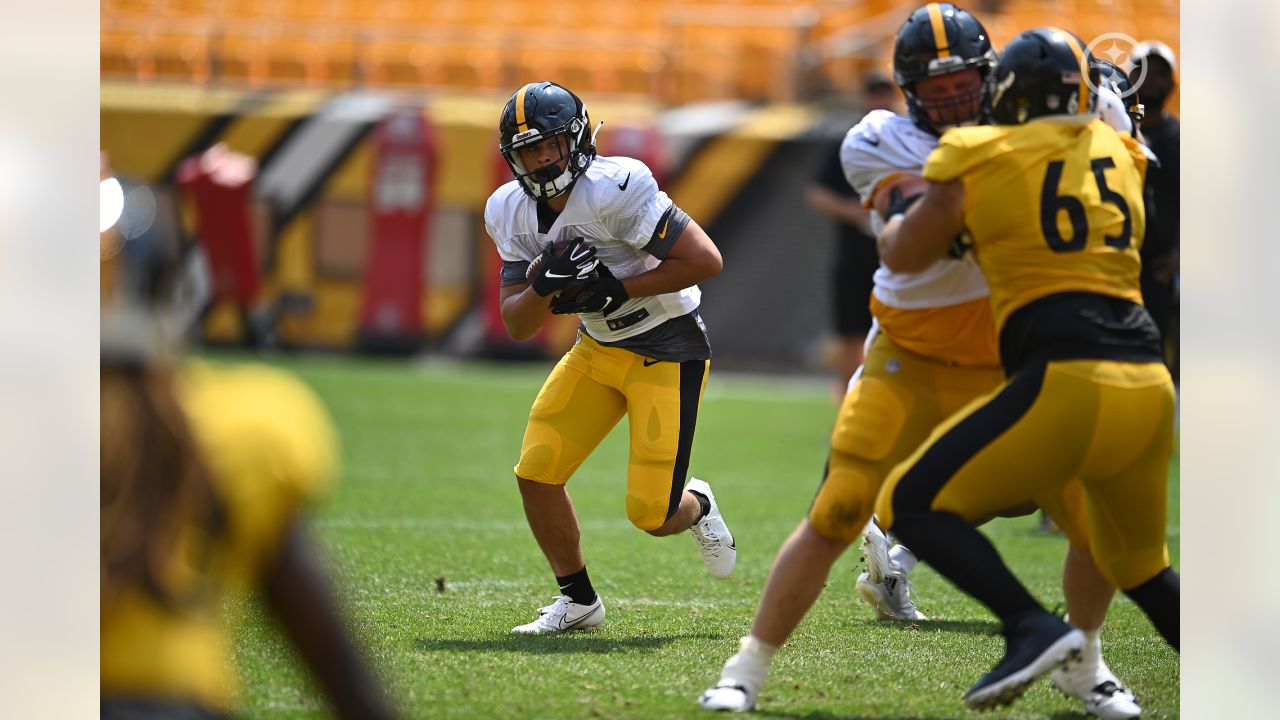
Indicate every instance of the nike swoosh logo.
{"type": "Point", "coordinates": [569, 625]}
{"type": "Point", "coordinates": [662, 235]}
{"type": "Point", "coordinates": [647, 363]}
{"type": "Point", "coordinates": [556, 275]}
{"type": "Point", "coordinates": [623, 185]}
{"type": "Point", "coordinates": [873, 142]}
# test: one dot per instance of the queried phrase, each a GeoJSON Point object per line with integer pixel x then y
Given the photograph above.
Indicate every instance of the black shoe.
{"type": "Point", "coordinates": [1034, 645]}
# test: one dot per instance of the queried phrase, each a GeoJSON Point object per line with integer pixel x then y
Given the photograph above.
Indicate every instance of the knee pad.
{"type": "Point", "coordinates": [645, 514]}
{"type": "Point", "coordinates": [845, 499]}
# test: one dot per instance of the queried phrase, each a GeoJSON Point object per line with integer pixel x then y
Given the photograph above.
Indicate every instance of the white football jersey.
{"type": "Point", "coordinates": [883, 145]}
{"type": "Point", "coordinates": [616, 206]}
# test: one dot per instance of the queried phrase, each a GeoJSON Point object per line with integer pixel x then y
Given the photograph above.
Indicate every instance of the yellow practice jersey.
{"type": "Point", "coordinates": [1051, 206]}
{"type": "Point", "coordinates": [269, 448]}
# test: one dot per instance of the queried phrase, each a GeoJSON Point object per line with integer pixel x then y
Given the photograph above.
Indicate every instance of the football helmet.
{"type": "Point", "coordinates": [1046, 71]}
{"type": "Point", "coordinates": [1113, 77]}
{"type": "Point", "coordinates": [937, 39]}
{"type": "Point", "coordinates": [542, 111]}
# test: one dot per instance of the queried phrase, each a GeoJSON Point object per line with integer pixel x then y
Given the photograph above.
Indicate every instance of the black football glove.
{"type": "Point", "coordinates": [559, 271]}
{"type": "Point", "coordinates": [898, 205]}
{"type": "Point", "coordinates": [603, 295]}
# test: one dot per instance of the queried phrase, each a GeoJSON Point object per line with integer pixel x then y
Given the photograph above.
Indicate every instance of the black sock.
{"type": "Point", "coordinates": [1160, 598]}
{"type": "Point", "coordinates": [965, 557]}
{"type": "Point", "coordinates": [578, 587]}
{"type": "Point", "coordinates": [703, 503]}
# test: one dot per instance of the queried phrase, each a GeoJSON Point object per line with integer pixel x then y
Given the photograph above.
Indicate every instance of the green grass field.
{"type": "Point", "coordinates": [427, 492]}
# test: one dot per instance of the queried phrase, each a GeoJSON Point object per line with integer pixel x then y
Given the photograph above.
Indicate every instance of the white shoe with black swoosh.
{"type": "Point", "coordinates": [564, 615]}
{"type": "Point", "coordinates": [719, 551]}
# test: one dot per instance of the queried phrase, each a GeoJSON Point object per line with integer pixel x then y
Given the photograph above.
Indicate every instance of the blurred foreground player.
{"type": "Point", "coordinates": [204, 472]}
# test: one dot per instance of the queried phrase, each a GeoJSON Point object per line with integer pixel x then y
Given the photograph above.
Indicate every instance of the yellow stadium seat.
{"type": "Point", "coordinates": [182, 57]}
{"type": "Point", "coordinates": [123, 53]}
{"type": "Point", "coordinates": [243, 59]}
{"type": "Point", "coordinates": [402, 63]}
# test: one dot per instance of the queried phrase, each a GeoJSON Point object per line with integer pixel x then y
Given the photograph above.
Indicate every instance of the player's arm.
{"type": "Point", "coordinates": [846, 209]}
{"type": "Point", "coordinates": [301, 597]}
{"type": "Point", "coordinates": [523, 310]}
{"type": "Point", "coordinates": [915, 240]}
{"type": "Point", "coordinates": [692, 258]}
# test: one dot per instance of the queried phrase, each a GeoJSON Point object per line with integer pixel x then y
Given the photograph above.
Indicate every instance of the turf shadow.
{"type": "Point", "coordinates": [824, 715]}
{"type": "Point", "coordinates": [578, 642]}
{"type": "Point", "coordinates": [965, 627]}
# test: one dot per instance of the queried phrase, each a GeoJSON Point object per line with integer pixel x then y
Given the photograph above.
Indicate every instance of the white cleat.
{"type": "Point", "coordinates": [564, 615]}
{"type": "Point", "coordinates": [730, 698]}
{"type": "Point", "coordinates": [739, 685]}
{"type": "Point", "coordinates": [719, 552]}
{"type": "Point", "coordinates": [875, 552]}
{"type": "Point", "coordinates": [891, 599]}
{"type": "Point", "coordinates": [1099, 689]}
{"type": "Point", "coordinates": [884, 586]}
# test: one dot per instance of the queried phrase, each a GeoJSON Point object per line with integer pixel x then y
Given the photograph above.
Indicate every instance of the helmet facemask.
{"type": "Point", "coordinates": [939, 114]}
{"type": "Point", "coordinates": [557, 117]}
{"type": "Point", "coordinates": [554, 178]}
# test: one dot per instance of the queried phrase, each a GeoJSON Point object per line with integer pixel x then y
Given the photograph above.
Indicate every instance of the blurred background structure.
{"type": "Point", "coordinates": [362, 137]}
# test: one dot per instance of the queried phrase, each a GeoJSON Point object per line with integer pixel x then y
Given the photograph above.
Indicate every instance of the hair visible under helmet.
{"type": "Point", "coordinates": [939, 39]}
{"type": "Point", "coordinates": [537, 112]}
{"type": "Point", "coordinates": [153, 485]}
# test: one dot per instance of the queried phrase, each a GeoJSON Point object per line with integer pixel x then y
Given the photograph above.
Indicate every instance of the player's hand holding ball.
{"type": "Point", "coordinates": [603, 295]}
{"type": "Point", "coordinates": [560, 266]}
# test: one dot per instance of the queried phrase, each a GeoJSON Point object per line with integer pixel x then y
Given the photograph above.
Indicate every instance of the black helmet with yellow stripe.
{"type": "Point", "coordinates": [537, 112]}
{"type": "Point", "coordinates": [938, 39]}
{"type": "Point", "coordinates": [1046, 71]}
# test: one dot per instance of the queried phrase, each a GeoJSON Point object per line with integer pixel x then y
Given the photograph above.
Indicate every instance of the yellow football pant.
{"type": "Point", "coordinates": [895, 401]}
{"type": "Point", "coordinates": [1107, 424]}
{"type": "Point", "coordinates": [587, 393]}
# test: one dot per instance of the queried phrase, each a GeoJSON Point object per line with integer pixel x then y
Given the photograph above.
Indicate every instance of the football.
{"type": "Point", "coordinates": [907, 184]}
{"type": "Point", "coordinates": [572, 291]}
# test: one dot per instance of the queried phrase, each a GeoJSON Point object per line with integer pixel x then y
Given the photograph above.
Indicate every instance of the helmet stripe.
{"type": "Point", "coordinates": [521, 123]}
{"type": "Point", "coordinates": [939, 30]}
{"type": "Point", "coordinates": [1082, 100]}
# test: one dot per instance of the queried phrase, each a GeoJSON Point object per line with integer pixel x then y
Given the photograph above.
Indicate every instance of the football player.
{"type": "Point", "coordinates": [1050, 198]}
{"type": "Point", "coordinates": [932, 350]}
{"type": "Point", "coordinates": [205, 475]}
{"type": "Point", "coordinates": [596, 237]}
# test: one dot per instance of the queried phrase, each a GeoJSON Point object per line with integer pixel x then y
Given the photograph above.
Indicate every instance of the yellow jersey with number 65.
{"type": "Point", "coordinates": [1050, 206]}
